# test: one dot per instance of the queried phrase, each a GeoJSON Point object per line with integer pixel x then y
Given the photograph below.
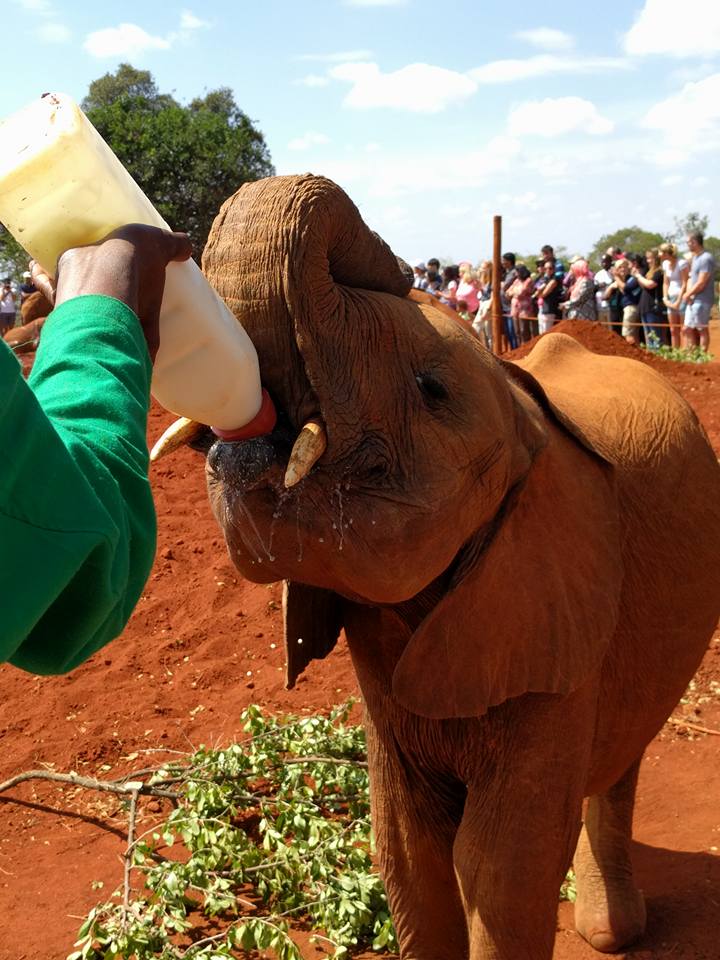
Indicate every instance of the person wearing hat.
{"type": "Point", "coordinates": [7, 307]}
{"type": "Point", "coordinates": [27, 287]}
{"type": "Point", "coordinates": [420, 271]}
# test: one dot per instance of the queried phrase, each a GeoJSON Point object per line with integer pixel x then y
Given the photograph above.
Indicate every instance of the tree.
{"type": "Point", "coordinates": [188, 160]}
{"type": "Point", "coordinates": [712, 245]}
{"type": "Point", "coordinates": [629, 239]}
{"type": "Point", "coordinates": [126, 83]}
{"type": "Point", "coordinates": [13, 259]}
{"type": "Point", "coordinates": [691, 223]}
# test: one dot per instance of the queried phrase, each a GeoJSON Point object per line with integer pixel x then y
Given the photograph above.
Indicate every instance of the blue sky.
{"type": "Point", "coordinates": [569, 120]}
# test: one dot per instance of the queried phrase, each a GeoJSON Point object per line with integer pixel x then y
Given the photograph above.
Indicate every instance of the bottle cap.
{"type": "Point", "coordinates": [263, 422]}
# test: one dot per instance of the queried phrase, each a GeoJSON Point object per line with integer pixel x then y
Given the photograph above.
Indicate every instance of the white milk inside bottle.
{"type": "Point", "coordinates": [61, 186]}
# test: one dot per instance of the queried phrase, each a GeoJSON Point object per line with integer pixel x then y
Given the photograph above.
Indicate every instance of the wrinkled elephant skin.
{"type": "Point", "coordinates": [524, 593]}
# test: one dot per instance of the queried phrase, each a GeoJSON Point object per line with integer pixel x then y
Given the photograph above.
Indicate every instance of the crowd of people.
{"type": "Point", "coordinates": [657, 297]}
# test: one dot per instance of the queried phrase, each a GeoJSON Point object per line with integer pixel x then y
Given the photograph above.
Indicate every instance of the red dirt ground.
{"type": "Point", "coordinates": [202, 645]}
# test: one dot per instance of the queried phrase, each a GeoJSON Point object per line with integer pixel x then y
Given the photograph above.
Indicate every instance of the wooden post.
{"type": "Point", "coordinates": [496, 314]}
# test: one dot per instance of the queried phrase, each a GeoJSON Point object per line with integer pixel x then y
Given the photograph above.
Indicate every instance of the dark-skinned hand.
{"type": "Point", "coordinates": [129, 265]}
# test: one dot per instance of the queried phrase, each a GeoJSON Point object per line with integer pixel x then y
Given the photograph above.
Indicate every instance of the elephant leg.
{"type": "Point", "coordinates": [609, 909]}
{"type": "Point", "coordinates": [415, 827]}
{"type": "Point", "coordinates": [520, 825]}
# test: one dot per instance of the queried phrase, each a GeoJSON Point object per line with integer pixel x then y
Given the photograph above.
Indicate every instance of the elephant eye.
{"type": "Point", "coordinates": [431, 388]}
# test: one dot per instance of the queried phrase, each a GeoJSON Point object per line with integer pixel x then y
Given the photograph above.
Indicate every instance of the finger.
{"type": "Point", "coordinates": [179, 246]}
{"type": "Point", "coordinates": [42, 281]}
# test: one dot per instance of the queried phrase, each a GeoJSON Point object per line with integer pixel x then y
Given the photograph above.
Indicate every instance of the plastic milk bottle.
{"type": "Point", "coordinates": [61, 186]}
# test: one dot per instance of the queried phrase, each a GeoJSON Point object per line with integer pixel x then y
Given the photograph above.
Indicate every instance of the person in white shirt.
{"type": "Point", "coordinates": [675, 274]}
{"type": "Point", "coordinates": [603, 279]}
{"type": "Point", "coordinates": [7, 307]}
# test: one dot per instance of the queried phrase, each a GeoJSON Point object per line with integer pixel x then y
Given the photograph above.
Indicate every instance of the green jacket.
{"type": "Point", "coordinates": [77, 521]}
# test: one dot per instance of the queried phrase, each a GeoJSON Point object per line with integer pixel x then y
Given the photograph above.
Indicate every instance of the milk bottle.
{"type": "Point", "coordinates": [61, 186]}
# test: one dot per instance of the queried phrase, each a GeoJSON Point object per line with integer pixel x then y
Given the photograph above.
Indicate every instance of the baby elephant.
{"type": "Point", "coordinates": [525, 559]}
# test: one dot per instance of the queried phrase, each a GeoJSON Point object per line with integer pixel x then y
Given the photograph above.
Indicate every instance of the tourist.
{"type": "Point", "coordinates": [434, 280]}
{"type": "Point", "coordinates": [7, 307]}
{"type": "Point", "coordinates": [467, 289]}
{"type": "Point", "coordinates": [580, 304]}
{"type": "Point", "coordinates": [548, 295]}
{"type": "Point", "coordinates": [548, 253]}
{"type": "Point", "coordinates": [420, 276]}
{"type": "Point", "coordinates": [522, 305]}
{"type": "Point", "coordinates": [652, 307]}
{"type": "Point", "coordinates": [675, 274]}
{"type": "Point", "coordinates": [481, 323]}
{"type": "Point", "coordinates": [448, 290]}
{"type": "Point", "coordinates": [699, 293]}
{"type": "Point", "coordinates": [603, 279]}
{"type": "Point", "coordinates": [27, 287]}
{"type": "Point", "coordinates": [629, 290]}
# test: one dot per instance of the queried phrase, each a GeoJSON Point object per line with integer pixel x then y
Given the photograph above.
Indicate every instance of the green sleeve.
{"type": "Point", "coordinates": [77, 521]}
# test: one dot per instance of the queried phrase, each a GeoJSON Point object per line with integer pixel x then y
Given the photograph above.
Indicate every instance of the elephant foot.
{"type": "Point", "coordinates": [612, 918]}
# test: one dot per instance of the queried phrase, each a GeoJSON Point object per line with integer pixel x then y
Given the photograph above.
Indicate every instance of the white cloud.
{"type": "Point", "coordinates": [307, 140]}
{"type": "Point", "coordinates": [125, 40]}
{"type": "Point", "coordinates": [544, 64]}
{"type": "Point", "coordinates": [555, 117]}
{"type": "Point", "coordinates": [346, 56]}
{"type": "Point", "coordinates": [661, 27]}
{"type": "Point", "coordinates": [405, 173]}
{"type": "Point", "coordinates": [53, 33]}
{"type": "Point", "coordinates": [312, 80]}
{"type": "Point", "coordinates": [547, 38]}
{"type": "Point", "coordinates": [418, 87]}
{"type": "Point", "coordinates": [689, 122]}
{"type": "Point", "coordinates": [672, 180]}
{"type": "Point", "coordinates": [188, 21]}
{"type": "Point", "coordinates": [372, 147]}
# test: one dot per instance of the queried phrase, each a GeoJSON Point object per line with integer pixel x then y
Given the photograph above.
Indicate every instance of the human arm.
{"type": "Point", "coordinates": [645, 281]}
{"type": "Point", "coordinates": [77, 521]}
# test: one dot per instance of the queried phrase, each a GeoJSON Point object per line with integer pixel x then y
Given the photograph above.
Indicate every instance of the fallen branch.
{"type": "Point", "coordinates": [676, 721]}
{"type": "Point", "coordinates": [128, 855]}
{"type": "Point", "coordinates": [107, 786]}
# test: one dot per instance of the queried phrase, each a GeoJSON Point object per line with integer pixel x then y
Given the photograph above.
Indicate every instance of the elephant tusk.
{"type": "Point", "coordinates": [178, 433]}
{"type": "Point", "coordinates": [307, 450]}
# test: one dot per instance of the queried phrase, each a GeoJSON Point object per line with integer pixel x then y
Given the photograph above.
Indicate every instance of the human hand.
{"type": "Point", "coordinates": [129, 265]}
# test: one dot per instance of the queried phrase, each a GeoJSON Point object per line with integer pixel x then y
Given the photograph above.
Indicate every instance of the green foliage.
{"type": "Point", "coordinates": [679, 354]}
{"type": "Point", "coordinates": [629, 239]}
{"type": "Point", "coordinates": [187, 159]}
{"type": "Point", "coordinates": [13, 259]}
{"type": "Point", "coordinates": [267, 830]}
{"type": "Point", "coordinates": [264, 832]}
{"type": "Point", "coordinates": [126, 83]}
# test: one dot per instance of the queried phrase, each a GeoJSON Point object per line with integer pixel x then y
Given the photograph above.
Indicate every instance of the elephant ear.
{"type": "Point", "coordinates": [534, 601]}
{"type": "Point", "coordinates": [313, 621]}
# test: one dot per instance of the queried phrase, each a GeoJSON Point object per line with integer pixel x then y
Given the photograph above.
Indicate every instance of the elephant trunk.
{"type": "Point", "coordinates": [286, 254]}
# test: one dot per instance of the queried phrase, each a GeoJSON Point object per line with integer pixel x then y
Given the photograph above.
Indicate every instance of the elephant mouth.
{"type": "Point", "coordinates": [299, 441]}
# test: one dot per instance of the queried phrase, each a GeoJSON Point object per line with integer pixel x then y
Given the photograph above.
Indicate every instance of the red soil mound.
{"type": "Point", "coordinates": [202, 645]}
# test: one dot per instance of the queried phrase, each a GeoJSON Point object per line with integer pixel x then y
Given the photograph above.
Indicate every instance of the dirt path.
{"type": "Point", "coordinates": [201, 646]}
